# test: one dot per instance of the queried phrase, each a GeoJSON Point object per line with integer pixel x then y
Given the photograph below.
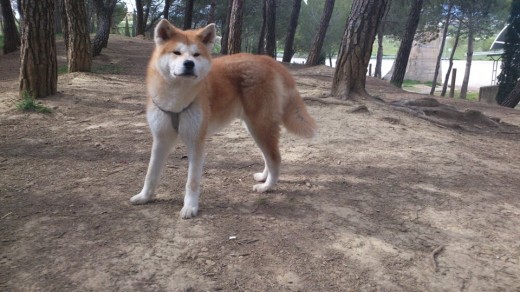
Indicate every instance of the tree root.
{"type": "Point", "coordinates": [433, 256]}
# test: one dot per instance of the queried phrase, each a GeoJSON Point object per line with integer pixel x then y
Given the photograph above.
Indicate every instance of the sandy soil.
{"type": "Point", "coordinates": [381, 200]}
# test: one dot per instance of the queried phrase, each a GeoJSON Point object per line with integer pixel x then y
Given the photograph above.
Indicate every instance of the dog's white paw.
{"type": "Point", "coordinates": [260, 176]}
{"type": "Point", "coordinates": [188, 212]}
{"type": "Point", "coordinates": [140, 199]}
{"type": "Point", "coordinates": [261, 188]}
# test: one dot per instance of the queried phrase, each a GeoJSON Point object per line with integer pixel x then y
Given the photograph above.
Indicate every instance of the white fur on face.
{"type": "Point", "coordinates": [171, 64]}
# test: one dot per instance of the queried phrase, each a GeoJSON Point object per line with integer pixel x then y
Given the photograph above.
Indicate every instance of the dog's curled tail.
{"type": "Point", "coordinates": [296, 118]}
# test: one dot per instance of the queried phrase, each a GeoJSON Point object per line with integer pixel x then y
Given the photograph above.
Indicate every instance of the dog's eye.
{"type": "Point", "coordinates": [177, 53]}
{"type": "Point", "coordinates": [196, 55]}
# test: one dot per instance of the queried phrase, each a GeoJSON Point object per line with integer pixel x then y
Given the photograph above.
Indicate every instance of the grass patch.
{"type": "Point", "coordinates": [410, 83]}
{"type": "Point", "coordinates": [63, 70]}
{"type": "Point", "coordinates": [107, 69]}
{"type": "Point", "coordinates": [29, 104]}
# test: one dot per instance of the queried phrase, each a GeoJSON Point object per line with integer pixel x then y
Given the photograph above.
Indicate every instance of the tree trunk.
{"type": "Point", "coordinates": [188, 14]}
{"type": "Point", "coordinates": [288, 51]}
{"type": "Point", "coordinates": [319, 37]}
{"type": "Point", "coordinates": [270, 28]}
{"type": "Point", "coordinates": [225, 30]}
{"type": "Point", "coordinates": [469, 59]}
{"type": "Point", "coordinates": [513, 98]}
{"type": "Point", "coordinates": [261, 40]}
{"type": "Point", "coordinates": [401, 60]}
{"type": "Point", "coordinates": [64, 24]}
{"type": "Point", "coordinates": [379, 57]}
{"type": "Point", "coordinates": [11, 37]}
{"type": "Point", "coordinates": [235, 27]}
{"type": "Point", "coordinates": [166, 10]}
{"type": "Point", "coordinates": [58, 10]}
{"type": "Point", "coordinates": [39, 69]}
{"type": "Point", "coordinates": [356, 48]}
{"type": "Point", "coordinates": [104, 10]}
{"type": "Point", "coordinates": [380, 35]}
{"type": "Point", "coordinates": [443, 43]}
{"type": "Point", "coordinates": [450, 65]}
{"type": "Point", "coordinates": [212, 10]}
{"type": "Point", "coordinates": [79, 51]}
{"type": "Point", "coordinates": [140, 25]}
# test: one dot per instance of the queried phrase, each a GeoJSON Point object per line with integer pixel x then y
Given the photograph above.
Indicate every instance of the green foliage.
{"type": "Point", "coordinates": [63, 69]}
{"type": "Point", "coordinates": [1, 42]}
{"type": "Point", "coordinates": [107, 69]}
{"type": "Point", "coordinates": [29, 104]}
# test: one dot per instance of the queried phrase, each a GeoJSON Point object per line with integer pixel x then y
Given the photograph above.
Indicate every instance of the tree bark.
{"type": "Point", "coordinates": [513, 98]}
{"type": "Point", "coordinates": [319, 37]}
{"type": "Point", "coordinates": [188, 14]}
{"type": "Point", "coordinates": [261, 40]}
{"type": "Point", "coordinates": [450, 64]}
{"type": "Point", "coordinates": [356, 48]}
{"type": "Point", "coordinates": [140, 25]}
{"type": "Point", "coordinates": [104, 10]}
{"type": "Point", "coordinates": [79, 52]}
{"type": "Point", "coordinates": [469, 59]}
{"type": "Point", "coordinates": [39, 69]}
{"type": "Point", "coordinates": [401, 60]}
{"type": "Point", "coordinates": [270, 28]}
{"type": "Point", "coordinates": [11, 37]}
{"type": "Point", "coordinates": [166, 10]}
{"type": "Point", "coordinates": [235, 27]}
{"type": "Point", "coordinates": [380, 35]}
{"type": "Point", "coordinates": [443, 43]}
{"type": "Point", "coordinates": [65, 24]}
{"type": "Point", "coordinates": [288, 51]}
{"type": "Point", "coordinates": [225, 31]}
{"type": "Point", "coordinates": [379, 56]}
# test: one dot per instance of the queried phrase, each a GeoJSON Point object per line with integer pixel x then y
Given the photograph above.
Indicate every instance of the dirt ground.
{"type": "Point", "coordinates": [381, 200]}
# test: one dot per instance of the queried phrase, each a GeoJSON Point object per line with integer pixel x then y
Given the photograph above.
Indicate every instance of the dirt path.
{"type": "Point", "coordinates": [380, 201]}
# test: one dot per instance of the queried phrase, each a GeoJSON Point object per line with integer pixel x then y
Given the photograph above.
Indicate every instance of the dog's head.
{"type": "Point", "coordinates": [183, 55]}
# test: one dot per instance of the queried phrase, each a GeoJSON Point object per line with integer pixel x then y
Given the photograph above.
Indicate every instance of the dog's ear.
{"type": "Point", "coordinates": [207, 35]}
{"type": "Point", "coordinates": [163, 32]}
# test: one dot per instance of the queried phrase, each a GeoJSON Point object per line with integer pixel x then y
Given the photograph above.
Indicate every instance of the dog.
{"type": "Point", "coordinates": [191, 96]}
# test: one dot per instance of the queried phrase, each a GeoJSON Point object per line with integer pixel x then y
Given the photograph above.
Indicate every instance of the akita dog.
{"type": "Point", "coordinates": [191, 97]}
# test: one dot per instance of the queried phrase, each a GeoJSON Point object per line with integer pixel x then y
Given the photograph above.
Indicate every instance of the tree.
{"type": "Point", "coordinates": [380, 35]}
{"type": "Point", "coordinates": [11, 37]}
{"type": "Point", "coordinates": [450, 63]}
{"type": "Point", "coordinates": [235, 27]}
{"type": "Point", "coordinates": [480, 19]}
{"type": "Point", "coordinates": [212, 10]}
{"type": "Point", "coordinates": [513, 98]}
{"type": "Point", "coordinates": [104, 10]}
{"type": "Point", "coordinates": [319, 37]}
{"type": "Point", "coordinates": [401, 60]}
{"type": "Point", "coordinates": [79, 53]}
{"type": "Point", "coordinates": [188, 14]}
{"type": "Point", "coordinates": [441, 50]}
{"type": "Point", "coordinates": [139, 22]}
{"type": "Point", "coordinates": [225, 31]}
{"type": "Point", "coordinates": [267, 40]}
{"type": "Point", "coordinates": [39, 69]}
{"type": "Point", "coordinates": [511, 60]}
{"type": "Point", "coordinates": [356, 48]}
{"type": "Point", "coordinates": [288, 51]}
{"type": "Point", "coordinates": [166, 10]}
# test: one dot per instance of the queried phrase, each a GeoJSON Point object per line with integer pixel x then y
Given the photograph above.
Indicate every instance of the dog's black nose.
{"type": "Point", "coordinates": [188, 64]}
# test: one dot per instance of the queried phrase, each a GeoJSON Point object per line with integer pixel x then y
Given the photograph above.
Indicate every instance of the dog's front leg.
{"type": "Point", "coordinates": [195, 168]}
{"type": "Point", "coordinates": [163, 139]}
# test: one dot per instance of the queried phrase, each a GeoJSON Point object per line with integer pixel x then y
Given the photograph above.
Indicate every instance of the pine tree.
{"type": "Point", "coordinates": [511, 58]}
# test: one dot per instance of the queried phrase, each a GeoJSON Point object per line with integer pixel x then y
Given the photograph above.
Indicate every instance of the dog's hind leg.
{"type": "Point", "coordinates": [266, 137]}
{"type": "Point", "coordinates": [163, 139]}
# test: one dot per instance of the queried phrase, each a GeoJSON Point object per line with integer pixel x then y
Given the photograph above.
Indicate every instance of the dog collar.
{"type": "Point", "coordinates": [174, 116]}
